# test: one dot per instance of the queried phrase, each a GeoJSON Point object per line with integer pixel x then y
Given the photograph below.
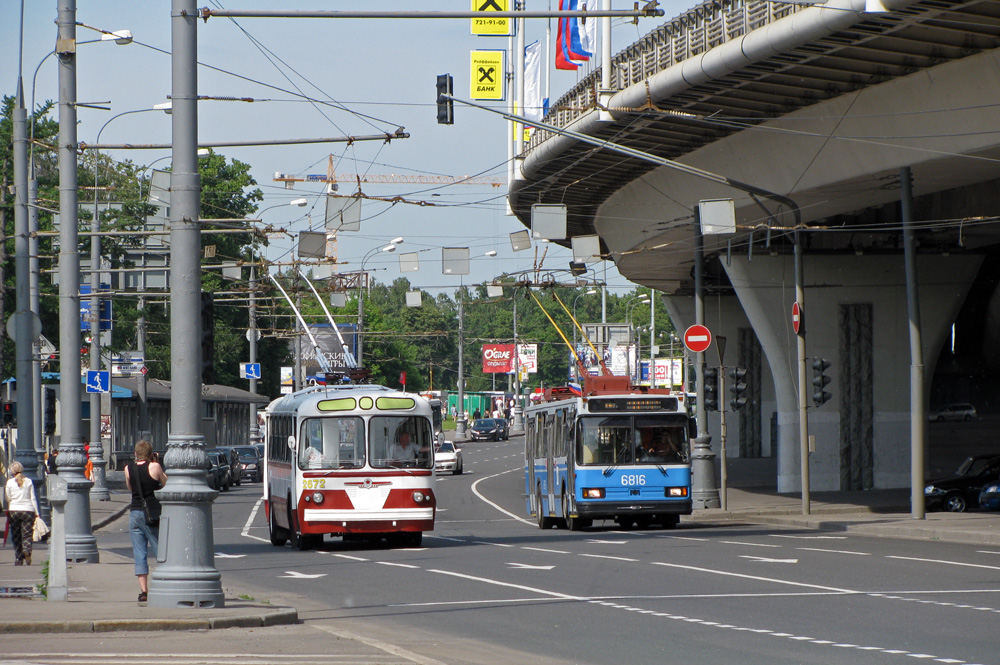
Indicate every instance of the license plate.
{"type": "Point", "coordinates": [314, 483]}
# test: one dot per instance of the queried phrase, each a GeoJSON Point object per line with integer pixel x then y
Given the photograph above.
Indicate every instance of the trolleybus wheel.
{"type": "Point", "coordinates": [407, 539]}
{"type": "Point", "coordinates": [574, 523]}
{"type": "Point", "coordinates": [278, 535]}
{"type": "Point", "coordinates": [544, 521]}
{"type": "Point", "coordinates": [671, 521]}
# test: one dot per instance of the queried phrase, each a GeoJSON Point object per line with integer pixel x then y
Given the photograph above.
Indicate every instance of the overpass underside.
{"type": "Point", "coordinates": [824, 105]}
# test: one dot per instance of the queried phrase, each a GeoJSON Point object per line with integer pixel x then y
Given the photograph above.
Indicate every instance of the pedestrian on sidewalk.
{"type": "Point", "coordinates": [22, 506]}
{"type": "Point", "coordinates": [143, 477]}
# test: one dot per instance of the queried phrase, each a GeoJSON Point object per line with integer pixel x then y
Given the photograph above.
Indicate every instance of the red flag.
{"type": "Point", "coordinates": [402, 378]}
{"type": "Point", "coordinates": [562, 40]}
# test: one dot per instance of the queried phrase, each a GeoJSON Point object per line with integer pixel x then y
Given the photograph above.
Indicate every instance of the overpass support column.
{"type": "Point", "coordinates": [857, 319]}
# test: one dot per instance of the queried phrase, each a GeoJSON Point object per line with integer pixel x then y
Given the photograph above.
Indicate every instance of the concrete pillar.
{"type": "Point", "coordinates": [765, 288]}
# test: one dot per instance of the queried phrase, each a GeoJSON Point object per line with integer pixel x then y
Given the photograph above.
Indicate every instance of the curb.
{"type": "Point", "coordinates": [284, 616]}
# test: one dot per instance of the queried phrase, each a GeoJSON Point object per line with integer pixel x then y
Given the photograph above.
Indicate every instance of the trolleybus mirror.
{"type": "Point", "coordinates": [291, 443]}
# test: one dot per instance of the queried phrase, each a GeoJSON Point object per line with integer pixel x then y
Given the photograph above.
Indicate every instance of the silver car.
{"type": "Point", "coordinates": [448, 458]}
{"type": "Point", "coordinates": [958, 411]}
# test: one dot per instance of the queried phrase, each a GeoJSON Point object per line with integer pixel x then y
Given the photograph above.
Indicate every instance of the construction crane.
{"type": "Point", "coordinates": [332, 177]}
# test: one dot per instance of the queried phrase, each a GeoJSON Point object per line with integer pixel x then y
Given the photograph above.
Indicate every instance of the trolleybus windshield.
{"type": "Point", "coordinates": [401, 442]}
{"type": "Point", "coordinates": [624, 440]}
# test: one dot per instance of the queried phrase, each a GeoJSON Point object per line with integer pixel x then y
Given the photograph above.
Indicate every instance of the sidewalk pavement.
{"type": "Point", "coordinates": [102, 596]}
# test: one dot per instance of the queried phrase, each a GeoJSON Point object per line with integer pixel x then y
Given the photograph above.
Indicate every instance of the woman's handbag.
{"type": "Point", "coordinates": [151, 510]}
{"type": "Point", "coordinates": [40, 529]}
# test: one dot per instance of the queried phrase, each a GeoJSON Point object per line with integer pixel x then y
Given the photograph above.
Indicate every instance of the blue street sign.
{"type": "Point", "coordinates": [98, 381]}
{"type": "Point", "coordinates": [250, 370]}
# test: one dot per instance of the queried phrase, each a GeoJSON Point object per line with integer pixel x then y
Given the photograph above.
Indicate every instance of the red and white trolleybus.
{"type": "Point", "coordinates": [349, 460]}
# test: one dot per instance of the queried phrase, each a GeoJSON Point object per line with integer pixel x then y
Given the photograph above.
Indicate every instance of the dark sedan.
{"type": "Point", "coordinates": [251, 466]}
{"type": "Point", "coordinates": [957, 493]}
{"type": "Point", "coordinates": [489, 429]}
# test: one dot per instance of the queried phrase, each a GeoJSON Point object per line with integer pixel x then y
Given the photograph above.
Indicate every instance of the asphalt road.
{"type": "Point", "coordinates": [489, 587]}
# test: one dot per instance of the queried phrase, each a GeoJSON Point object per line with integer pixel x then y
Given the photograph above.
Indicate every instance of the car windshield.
{"type": "Point", "coordinates": [243, 451]}
{"type": "Point", "coordinates": [332, 443]}
{"type": "Point", "coordinates": [485, 423]}
{"type": "Point", "coordinates": [977, 466]}
{"type": "Point", "coordinates": [446, 448]}
{"type": "Point", "coordinates": [619, 440]}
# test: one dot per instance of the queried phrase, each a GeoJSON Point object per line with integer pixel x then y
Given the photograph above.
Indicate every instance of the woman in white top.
{"type": "Point", "coordinates": [21, 510]}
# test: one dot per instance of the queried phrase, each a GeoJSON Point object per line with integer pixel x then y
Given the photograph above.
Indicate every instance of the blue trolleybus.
{"type": "Point", "coordinates": [622, 456]}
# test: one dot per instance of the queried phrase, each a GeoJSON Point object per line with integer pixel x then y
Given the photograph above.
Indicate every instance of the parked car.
{"type": "Point", "coordinates": [233, 462]}
{"type": "Point", "coordinates": [989, 497]}
{"type": "Point", "coordinates": [218, 472]}
{"type": "Point", "coordinates": [251, 466]}
{"type": "Point", "coordinates": [489, 429]}
{"type": "Point", "coordinates": [957, 493]}
{"type": "Point", "coordinates": [448, 457]}
{"type": "Point", "coordinates": [958, 411]}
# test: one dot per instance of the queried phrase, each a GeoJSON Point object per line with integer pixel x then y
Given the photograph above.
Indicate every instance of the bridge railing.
{"type": "Point", "coordinates": [697, 30]}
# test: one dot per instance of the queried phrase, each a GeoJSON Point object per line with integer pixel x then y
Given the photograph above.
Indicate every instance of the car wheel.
{"type": "Point", "coordinates": [955, 503]}
{"type": "Point", "coordinates": [544, 521]}
{"type": "Point", "coordinates": [278, 535]}
{"type": "Point", "coordinates": [574, 523]}
{"type": "Point", "coordinates": [457, 471]}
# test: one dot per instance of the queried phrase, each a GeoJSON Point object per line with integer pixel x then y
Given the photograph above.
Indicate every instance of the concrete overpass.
{"type": "Point", "coordinates": [824, 104]}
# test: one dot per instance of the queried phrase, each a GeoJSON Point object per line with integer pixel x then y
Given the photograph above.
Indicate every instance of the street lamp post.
{"type": "Point", "coordinates": [641, 299]}
{"type": "Point", "coordinates": [362, 283]}
{"type": "Point", "coordinates": [573, 367]}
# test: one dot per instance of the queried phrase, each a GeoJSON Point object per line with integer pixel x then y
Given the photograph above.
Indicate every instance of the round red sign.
{"type": "Point", "coordinates": [697, 338]}
{"type": "Point", "coordinates": [796, 317]}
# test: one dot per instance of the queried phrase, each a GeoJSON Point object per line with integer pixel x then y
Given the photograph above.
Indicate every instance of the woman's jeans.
{"type": "Point", "coordinates": [143, 535]}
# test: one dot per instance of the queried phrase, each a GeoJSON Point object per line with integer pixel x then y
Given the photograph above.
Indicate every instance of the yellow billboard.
{"type": "Point", "coordinates": [487, 25]}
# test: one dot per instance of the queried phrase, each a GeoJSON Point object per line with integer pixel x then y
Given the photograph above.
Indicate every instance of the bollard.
{"type": "Point", "coordinates": [58, 495]}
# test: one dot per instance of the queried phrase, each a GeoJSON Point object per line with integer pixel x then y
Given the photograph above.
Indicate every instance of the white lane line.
{"type": "Point", "coordinates": [509, 585]}
{"type": "Point", "coordinates": [785, 535]}
{"type": "Point", "coordinates": [396, 564]}
{"type": "Point", "coordinates": [702, 540]}
{"type": "Point", "coordinates": [944, 561]}
{"type": "Point", "coordinates": [542, 549]}
{"type": "Point", "coordinates": [351, 558]}
{"type": "Point", "coordinates": [246, 526]}
{"type": "Point", "coordinates": [475, 490]}
{"type": "Point", "coordinates": [392, 649]}
{"type": "Point", "coordinates": [820, 549]}
{"type": "Point", "coordinates": [737, 542]}
{"type": "Point", "coordinates": [986, 552]}
{"type": "Point", "coordinates": [605, 556]}
{"type": "Point", "coordinates": [754, 577]}
{"type": "Point", "coordinates": [486, 542]}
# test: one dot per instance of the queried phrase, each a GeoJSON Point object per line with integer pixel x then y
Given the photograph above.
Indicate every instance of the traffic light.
{"type": "Point", "coordinates": [49, 414]}
{"type": "Point", "coordinates": [207, 337]}
{"type": "Point", "coordinates": [9, 410]}
{"type": "Point", "coordinates": [445, 107]}
{"type": "Point", "coordinates": [738, 388]}
{"type": "Point", "coordinates": [711, 388]}
{"type": "Point", "coordinates": [820, 381]}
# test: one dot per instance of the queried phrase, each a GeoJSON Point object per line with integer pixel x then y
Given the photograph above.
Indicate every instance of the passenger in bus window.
{"type": "Point", "coordinates": [312, 454]}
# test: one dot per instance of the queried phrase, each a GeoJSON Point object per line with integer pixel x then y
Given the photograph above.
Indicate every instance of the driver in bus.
{"type": "Point", "coordinates": [403, 450]}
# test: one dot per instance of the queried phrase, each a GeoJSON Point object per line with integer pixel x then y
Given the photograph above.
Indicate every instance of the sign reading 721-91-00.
{"type": "Point", "coordinates": [489, 25]}
{"type": "Point", "coordinates": [486, 80]}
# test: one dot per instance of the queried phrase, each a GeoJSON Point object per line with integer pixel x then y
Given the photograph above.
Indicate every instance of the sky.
{"type": "Point", "coordinates": [374, 75]}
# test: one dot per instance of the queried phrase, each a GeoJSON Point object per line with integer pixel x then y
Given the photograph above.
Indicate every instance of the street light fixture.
{"type": "Point", "coordinates": [391, 247]}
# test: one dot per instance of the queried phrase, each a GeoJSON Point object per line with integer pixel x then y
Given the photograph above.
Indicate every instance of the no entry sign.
{"type": "Point", "coordinates": [796, 317]}
{"type": "Point", "coordinates": [697, 338]}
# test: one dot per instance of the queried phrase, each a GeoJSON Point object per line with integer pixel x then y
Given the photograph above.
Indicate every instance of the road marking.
{"type": "Point", "coordinates": [253, 514]}
{"type": "Point", "coordinates": [542, 549]}
{"type": "Point", "coordinates": [223, 555]}
{"type": "Point", "coordinates": [949, 563]}
{"type": "Point", "coordinates": [475, 490]}
{"type": "Point", "coordinates": [295, 575]}
{"type": "Point", "coordinates": [378, 644]}
{"type": "Point", "coordinates": [606, 556]}
{"type": "Point", "coordinates": [701, 540]}
{"type": "Point", "coordinates": [396, 564]}
{"type": "Point", "coordinates": [820, 549]}
{"type": "Point", "coordinates": [527, 566]}
{"type": "Point", "coordinates": [486, 580]}
{"type": "Point", "coordinates": [737, 542]}
{"type": "Point", "coordinates": [350, 558]}
{"type": "Point", "coordinates": [763, 559]}
{"type": "Point", "coordinates": [754, 577]}
{"type": "Point", "coordinates": [783, 535]}
{"type": "Point", "coordinates": [597, 541]}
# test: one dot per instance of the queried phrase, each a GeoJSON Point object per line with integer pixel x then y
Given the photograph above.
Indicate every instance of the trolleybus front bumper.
{"type": "Point", "coordinates": [611, 509]}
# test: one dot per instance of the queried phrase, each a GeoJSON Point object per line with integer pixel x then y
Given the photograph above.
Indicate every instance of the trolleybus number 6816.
{"type": "Point", "coordinates": [633, 479]}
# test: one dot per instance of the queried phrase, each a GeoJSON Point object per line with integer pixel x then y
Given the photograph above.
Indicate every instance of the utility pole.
{"type": "Point", "coordinates": [704, 493]}
{"type": "Point", "coordinates": [186, 576]}
{"type": "Point", "coordinates": [99, 491]}
{"type": "Point", "coordinates": [81, 546]}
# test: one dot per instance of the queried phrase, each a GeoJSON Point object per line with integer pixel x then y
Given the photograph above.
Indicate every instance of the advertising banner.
{"type": "Point", "coordinates": [527, 358]}
{"type": "Point", "coordinates": [498, 358]}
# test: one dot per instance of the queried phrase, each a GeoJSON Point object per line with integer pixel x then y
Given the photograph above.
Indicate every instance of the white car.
{"type": "Point", "coordinates": [448, 458]}
{"type": "Point", "coordinates": [960, 411]}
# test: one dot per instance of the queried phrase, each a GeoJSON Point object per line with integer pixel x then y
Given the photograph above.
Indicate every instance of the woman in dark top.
{"type": "Point", "coordinates": [143, 477]}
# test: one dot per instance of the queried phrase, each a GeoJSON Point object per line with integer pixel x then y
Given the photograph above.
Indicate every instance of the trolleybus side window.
{"type": "Point", "coordinates": [280, 427]}
{"type": "Point", "coordinates": [400, 441]}
{"type": "Point", "coordinates": [331, 443]}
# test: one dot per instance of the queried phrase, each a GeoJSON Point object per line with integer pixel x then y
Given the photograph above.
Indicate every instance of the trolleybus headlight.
{"type": "Point", "coordinates": [317, 497]}
{"type": "Point", "coordinates": [593, 493]}
{"type": "Point", "coordinates": [677, 491]}
{"type": "Point", "coordinates": [420, 497]}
